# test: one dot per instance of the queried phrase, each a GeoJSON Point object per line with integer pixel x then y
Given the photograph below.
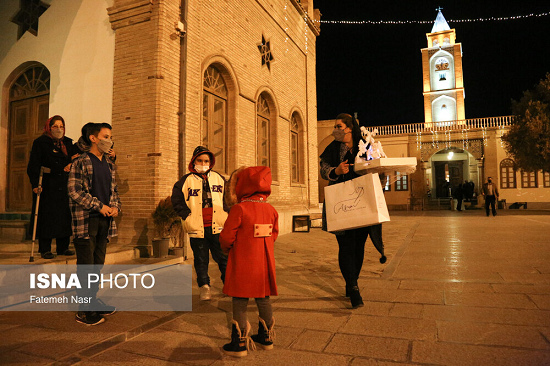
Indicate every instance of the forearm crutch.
{"type": "Point", "coordinates": [42, 171]}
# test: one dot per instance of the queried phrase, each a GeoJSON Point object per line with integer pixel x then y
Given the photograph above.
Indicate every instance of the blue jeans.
{"type": "Point", "coordinates": [201, 248]}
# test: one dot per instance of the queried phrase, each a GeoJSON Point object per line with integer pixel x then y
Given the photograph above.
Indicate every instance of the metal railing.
{"type": "Point", "coordinates": [456, 125]}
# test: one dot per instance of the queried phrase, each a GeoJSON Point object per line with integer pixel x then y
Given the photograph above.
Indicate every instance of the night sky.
{"type": "Point", "coordinates": [376, 70]}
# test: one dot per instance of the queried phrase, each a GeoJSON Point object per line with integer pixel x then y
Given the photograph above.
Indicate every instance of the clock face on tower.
{"type": "Point", "coordinates": [442, 64]}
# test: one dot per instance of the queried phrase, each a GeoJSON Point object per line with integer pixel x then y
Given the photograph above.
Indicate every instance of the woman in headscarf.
{"type": "Point", "coordinates": [52, 150]}
{"type": "Point", "coordinates": [337, 167]}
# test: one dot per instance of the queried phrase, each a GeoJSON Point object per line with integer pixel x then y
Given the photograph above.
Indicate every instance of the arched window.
{"type": "Point", "coordinates": [295, 149]}
{"type": "Point", "coordinates": [214, 116]}
{"type": "Point", "coordinates": [529, 179]}
{"type": "Point", "coordinates": [263, 118]}
{"type": "Point", "coordinates": [507, 174]}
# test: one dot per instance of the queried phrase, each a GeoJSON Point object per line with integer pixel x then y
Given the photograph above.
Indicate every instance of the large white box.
{"type": "Point", "coordinates": [385, 165]}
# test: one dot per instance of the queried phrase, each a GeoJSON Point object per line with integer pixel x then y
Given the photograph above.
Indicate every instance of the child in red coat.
{"type": "Point", "coordinates": [248, 236]}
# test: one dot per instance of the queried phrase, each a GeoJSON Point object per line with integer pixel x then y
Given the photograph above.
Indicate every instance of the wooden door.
{"type": "Point", "coordinates": [27, 118]}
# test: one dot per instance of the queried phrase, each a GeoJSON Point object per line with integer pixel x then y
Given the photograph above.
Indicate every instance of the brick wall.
{"type": "Point", "coordinates": [157, 119]}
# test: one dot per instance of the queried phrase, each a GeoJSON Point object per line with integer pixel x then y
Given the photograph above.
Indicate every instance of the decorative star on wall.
{"type": "Point", "coordinates": [27, 16]}
{"type": "Point", "coordinates": [265, 51]}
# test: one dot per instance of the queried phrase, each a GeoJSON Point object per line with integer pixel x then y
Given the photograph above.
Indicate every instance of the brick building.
{"type": "Point", "coordinates": [169, 75]}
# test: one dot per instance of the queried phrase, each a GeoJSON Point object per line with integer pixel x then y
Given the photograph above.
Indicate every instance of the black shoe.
{"type": "Point", "coordinates": [89, 318]}
{"type": "Point", "coordinates": [265, 335]}
{"type": "Point", "coordinates": [355, 297]}
{"type": "Point", "coordinates": [383, 259]}
{"type": "Point", "coordinates": [104, 308]}
{"type": "Point", "coordinates": [238, 347]}
{"type": "Point", "coordinates": [47, 255]}
{"type": "Point", "coordinates": [67, 252]}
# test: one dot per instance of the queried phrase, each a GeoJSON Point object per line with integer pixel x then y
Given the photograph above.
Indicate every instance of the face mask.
{"type": "Point", "coordinates": [201, 168]}
{"type": "Point", "coordinates": [489, 180]}
{"type": "Point", "coordinates": [104, 146]}
{"type": "Point", "coordinates": [57, 133]}
{"type": "Point", "coordinates": [338, 134]}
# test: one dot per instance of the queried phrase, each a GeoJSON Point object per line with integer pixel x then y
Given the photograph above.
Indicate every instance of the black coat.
{"type": "Point", "coordinates": [54, 215]}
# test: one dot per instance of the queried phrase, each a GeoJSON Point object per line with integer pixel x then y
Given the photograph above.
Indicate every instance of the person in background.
{"type": "Point", "coordinates": [198, 199]}
{"type": "Point", "coordinates": [52, 150]}
{"type": "Point", "coordinates": [490, 193]}
{"type": "Point", "coordinates": [458, 194]}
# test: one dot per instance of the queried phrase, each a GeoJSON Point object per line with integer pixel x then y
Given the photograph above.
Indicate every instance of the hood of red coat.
{"type": "Point", "coordinates": [254, 181]}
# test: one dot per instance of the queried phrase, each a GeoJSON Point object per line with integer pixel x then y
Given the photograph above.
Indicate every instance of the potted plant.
{"type": "Point", "coordinates": [167, 225]}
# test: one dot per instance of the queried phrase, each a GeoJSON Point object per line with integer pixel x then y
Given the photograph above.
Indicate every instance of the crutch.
{"type": "Point", "coordinates": [43, 170]}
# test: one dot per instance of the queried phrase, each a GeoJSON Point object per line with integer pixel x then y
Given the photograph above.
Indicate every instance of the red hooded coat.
{"type": "Point", "coordinates": [251, 264]}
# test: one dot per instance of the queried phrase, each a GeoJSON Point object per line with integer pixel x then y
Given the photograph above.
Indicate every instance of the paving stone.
{"type": "Point", "coordinates": [402, 310]}
{"type": "Point", "coordinates": [407, 296]}
{"type": "Point", "coordinates": [403, 328]}
{"type": "Point", "coordinates": [515, 301]}
{"type": "Point", "coordinates": [22, 336]}
{"type": "Point", "coordinates": [521, 289]}
{"type": "Point", "coordinates": [542, 301]}
{"type": "Point", "coordinates": [526, 278]}
{"type": "Point", "coordinates": [211, 325]}
{"type": "Point", "coordinates": [491, 334]}
{"type": "Point", "coordinates": [121, 358]}
{"type": "Point", "coordinates": [360, 361]}
{"type": "Point", "coordinates": [374, 347]}
{"type": "Point", "coordinates": [283, 357]}
{"type": "Point", "coordinates": [312, 340]}
{"type": "Point", "coordinates": [338, 303]}
{"type": "Point", "coordinates": [19, 358]}
{"type": "Point", "coordinates": [487, 315]}
{"type": "Point", "coordinates": [373, 308]}
{"type": "Point", "coordinates": [465, 355]}
{"type": "Point", "coordinates": [326, 321]}
{"type": "Point", "coordinates": [176, 347]}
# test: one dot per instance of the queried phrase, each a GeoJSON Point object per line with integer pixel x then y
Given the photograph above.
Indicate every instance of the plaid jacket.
{"type": "Point", "coordinates": [82, 202]}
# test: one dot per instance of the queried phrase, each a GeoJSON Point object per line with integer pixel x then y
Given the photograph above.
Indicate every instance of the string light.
{"type": "Point", "coordinates": [286, 27]}
{"type": "Point", "coordinates": [305, 28]}
{"type": "Point", "coordinates": [475, 20]}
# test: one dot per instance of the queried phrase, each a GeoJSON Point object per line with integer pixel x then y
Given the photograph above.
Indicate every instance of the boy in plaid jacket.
{"type": "Point", "coordinates": [94, 202]}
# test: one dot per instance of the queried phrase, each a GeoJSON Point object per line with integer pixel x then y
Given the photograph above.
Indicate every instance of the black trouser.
{"type": "Point", "coordinates": [61, 245]}
{"type": "Point", "coordinates": [92, 251]}
{"type": "Point", "coordinates": [201, 247]}
{"type": "Point", "coordinates": [352, 251]}
{"type": "Point", "coordinates": [459, 204]}
{"type": "Point", "coordinates": [490, 200]}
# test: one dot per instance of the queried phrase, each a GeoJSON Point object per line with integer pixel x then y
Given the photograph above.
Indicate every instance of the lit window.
{"type": "Point", "coordinates": [294, 149]}
{"type": "Point", "coordinates": [263, 116]}
{"type": "Point", "coordinates": [214, 116]}
{"type": "Point", "coordinates": [401, 183]}
{"type": "Point", "coordinates": [529, 179]}
{"type": "Point", "coordinates": [507, 174]}
{"type": "Point", "coordinates": [546, 176]}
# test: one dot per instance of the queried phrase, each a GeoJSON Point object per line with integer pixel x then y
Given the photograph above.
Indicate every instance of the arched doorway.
{"type": "Point", "coordinates": [448, 168]}
{"type": "Point", "coordinates": [29, 97]}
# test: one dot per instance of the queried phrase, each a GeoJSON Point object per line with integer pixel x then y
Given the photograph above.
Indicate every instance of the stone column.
{"type": "Point", "coordinates": [145, 109]}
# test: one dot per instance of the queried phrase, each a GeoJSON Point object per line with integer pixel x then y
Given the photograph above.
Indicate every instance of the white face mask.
{"type": "Point", "coordinates": [201, 168]}
{"type": "Point", "coordinates": [57, 133]}
{"type": "Point", "coordinates": [104, 145]}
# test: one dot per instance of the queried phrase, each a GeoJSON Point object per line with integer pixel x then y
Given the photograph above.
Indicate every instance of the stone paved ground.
{"type": "Point", "coordinates": [459, 288]}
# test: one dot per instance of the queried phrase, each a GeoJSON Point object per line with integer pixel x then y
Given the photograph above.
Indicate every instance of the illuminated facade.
{"type": "Point", "coordinates": [442, 74]}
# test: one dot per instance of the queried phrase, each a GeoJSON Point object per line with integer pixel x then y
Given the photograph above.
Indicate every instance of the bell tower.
{"type": "Point", "coordinates": [442, 74]}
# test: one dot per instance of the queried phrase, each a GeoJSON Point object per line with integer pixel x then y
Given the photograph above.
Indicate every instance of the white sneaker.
{"type": "Point", "coordinates": [205, 293]}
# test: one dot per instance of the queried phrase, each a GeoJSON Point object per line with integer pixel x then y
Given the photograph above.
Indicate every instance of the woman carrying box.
{"type": "Point", "coordinates": [337, 167]}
